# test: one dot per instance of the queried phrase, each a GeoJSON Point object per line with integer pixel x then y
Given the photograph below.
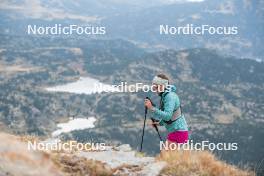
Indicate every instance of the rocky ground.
{"type": "Point", "coordinates": [124, 161]}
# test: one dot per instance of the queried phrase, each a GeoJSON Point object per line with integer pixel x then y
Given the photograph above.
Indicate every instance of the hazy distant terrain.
{"type": "Point", "coordinates": [140, 22]}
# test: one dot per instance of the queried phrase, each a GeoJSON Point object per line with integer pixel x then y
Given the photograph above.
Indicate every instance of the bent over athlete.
{"type": "Point", "coordinates": [169, 113]}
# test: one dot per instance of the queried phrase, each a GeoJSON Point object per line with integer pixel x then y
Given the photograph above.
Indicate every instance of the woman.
{"type": "Point", "coordinates": [169, 113]}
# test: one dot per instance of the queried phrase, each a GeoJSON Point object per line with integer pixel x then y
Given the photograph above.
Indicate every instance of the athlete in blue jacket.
{"type": "Point", "coordinates": [169, 113]}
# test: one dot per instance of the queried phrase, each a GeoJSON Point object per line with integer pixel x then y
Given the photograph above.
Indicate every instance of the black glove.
{"type": "Point", "coordinates": [151, 101]}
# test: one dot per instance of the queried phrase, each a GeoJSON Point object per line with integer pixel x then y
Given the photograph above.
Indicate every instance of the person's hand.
{"type": "Point", "coordinates": [153, 123]}
{"type": "Point", "coordinates": [148, 104]}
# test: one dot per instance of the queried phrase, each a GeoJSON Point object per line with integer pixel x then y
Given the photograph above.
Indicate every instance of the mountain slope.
{"type": "Point", "coordinates": [221, 95]}
{"type": "Point", "coordinates": [19, 161]}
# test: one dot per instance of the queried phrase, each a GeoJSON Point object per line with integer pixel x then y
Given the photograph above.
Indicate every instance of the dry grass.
{"type": "Point", "coordinates": [140, 154]}
{"type": "Point", "coordinates": [197, 163]}
{"type": "Point", "coordinates": [124, 168]}
{"type": "Point", "coordinates": [78, 166]}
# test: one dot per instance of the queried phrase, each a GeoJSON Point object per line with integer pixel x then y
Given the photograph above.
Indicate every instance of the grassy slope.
{"type": "Point", "coordinates": [14, 153]}
{"type": "Point", "coordinates": [198, 163]}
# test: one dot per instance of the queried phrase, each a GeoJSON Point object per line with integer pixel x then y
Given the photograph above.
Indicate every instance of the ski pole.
{"type": "Point", "coordinates": [156, 128]}
{"type": "Point", "coordinates": [143, 131]}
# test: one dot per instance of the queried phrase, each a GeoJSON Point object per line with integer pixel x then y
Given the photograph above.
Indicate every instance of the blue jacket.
{"type": "Point", "coordinates": [171, 103]}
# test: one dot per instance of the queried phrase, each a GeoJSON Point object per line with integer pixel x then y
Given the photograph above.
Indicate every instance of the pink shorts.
{"type": "Point", "coordinates": [178, 137]}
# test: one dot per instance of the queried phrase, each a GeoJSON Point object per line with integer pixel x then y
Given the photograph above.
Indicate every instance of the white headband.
{"type": "Point", "coordinates": [160, 81]}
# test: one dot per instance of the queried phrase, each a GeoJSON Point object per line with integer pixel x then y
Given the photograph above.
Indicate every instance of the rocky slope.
{"type": "Point", "coordinates": [17, 160]}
